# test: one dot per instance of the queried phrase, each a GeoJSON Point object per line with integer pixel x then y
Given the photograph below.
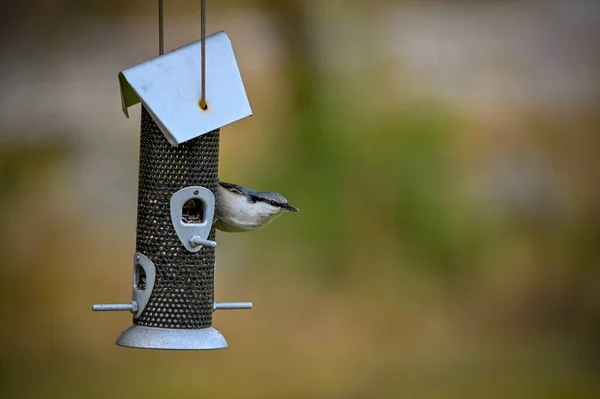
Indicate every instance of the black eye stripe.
{"type": "Point", "coordinates": [255, 199]}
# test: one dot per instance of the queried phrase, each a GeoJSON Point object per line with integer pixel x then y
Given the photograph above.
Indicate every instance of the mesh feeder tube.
{"type": "Point", "coordinates": [178, 313]}
{"type": "Point", "coordinates": [183, 293]}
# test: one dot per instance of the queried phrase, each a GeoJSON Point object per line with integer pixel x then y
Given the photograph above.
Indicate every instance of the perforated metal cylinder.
{"type": "Point", "coordinates": [182, 297]}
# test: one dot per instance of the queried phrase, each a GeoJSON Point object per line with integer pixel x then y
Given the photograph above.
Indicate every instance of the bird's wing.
{"type": "Point", "coordinates": [237, 189]}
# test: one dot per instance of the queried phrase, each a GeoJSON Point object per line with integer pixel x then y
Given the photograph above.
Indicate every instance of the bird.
{"type": "Point", "coordinates": [241, 209]}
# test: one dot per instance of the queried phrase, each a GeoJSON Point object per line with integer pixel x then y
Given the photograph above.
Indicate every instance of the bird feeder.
{"type": "Point", "coordinates": [174, 262]}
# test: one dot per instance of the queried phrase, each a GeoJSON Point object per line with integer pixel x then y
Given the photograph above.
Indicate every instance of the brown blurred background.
{"type": "Point", "coordinates": [444, 158]}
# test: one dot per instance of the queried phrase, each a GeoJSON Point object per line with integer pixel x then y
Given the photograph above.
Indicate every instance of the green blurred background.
{"type": "Point", "coordinates": [444, 158]}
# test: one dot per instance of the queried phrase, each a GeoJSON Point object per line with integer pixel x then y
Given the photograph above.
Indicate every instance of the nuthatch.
{"type": "Point", "coordinates": [241, 209]}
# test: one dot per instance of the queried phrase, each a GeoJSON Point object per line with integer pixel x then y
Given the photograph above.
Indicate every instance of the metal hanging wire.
{"type": "Point", "coordinates": [203, 104]}
{"type": "Point", "coordinates": [161, 45]}
{"type": "Point", "coordinates": [161, 34]}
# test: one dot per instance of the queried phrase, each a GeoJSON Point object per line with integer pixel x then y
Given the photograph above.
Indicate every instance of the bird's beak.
{"type": "Point", "coordinates": [290, 208]}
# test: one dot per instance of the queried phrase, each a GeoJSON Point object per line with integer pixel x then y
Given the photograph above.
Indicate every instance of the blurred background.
{"type": "Point", "coordinates": [444, 158]}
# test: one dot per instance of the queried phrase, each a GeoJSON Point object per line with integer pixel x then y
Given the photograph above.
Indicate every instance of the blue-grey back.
{"type": "Point", "coordinates": [255, 195]}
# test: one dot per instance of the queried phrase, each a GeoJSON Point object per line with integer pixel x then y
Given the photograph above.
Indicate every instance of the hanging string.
{"type": "Point", "coordinates": [161, 35]}
{"type": "Point", "coordinates": [161, 45]}
{"type": "Point", "coordinates": [203, 104]}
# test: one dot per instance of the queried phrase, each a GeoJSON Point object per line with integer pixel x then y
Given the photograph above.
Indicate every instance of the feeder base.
{"type": "Point", "coordinates": [171, 338]}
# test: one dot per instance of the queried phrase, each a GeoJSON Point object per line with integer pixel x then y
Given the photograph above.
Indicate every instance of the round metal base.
{"type": "Point", "coordinates": [171, 338]}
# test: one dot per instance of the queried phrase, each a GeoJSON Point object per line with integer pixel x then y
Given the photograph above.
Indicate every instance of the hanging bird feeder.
{"type": "Point", "coordinates": [187, 95]}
